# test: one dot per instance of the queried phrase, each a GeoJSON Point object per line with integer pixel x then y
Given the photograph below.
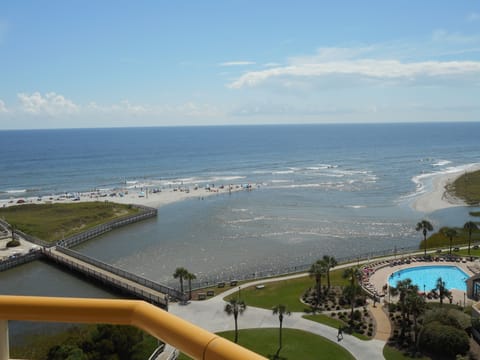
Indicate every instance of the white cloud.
{"type": "Point", "coordinates": [328, 54]}
{"type": "Point", "coordinates": [473, 17]}
{"type": "Point", "coordinates": [50, 104]}
{"type": "Point", "coordinates": [449, 38]}
{"type": "Point", "coordinates": [272, 64]}
{"type": "Point", "coordinates": [237, 63]}
{"type": "Point", "coordinates": [188, 109]}
{"type": "Point", "coordinates": [368, 69]}
{"type": "Point", "coordinates": [124, 107]}
{"type": "Point", "coordinates": [3, 108]}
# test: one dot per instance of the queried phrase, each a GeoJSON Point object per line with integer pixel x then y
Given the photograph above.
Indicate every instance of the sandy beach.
{"type": "Point", "coordinates": [436, 198]}
{"type": "Point", "coordinates": [141, 196]}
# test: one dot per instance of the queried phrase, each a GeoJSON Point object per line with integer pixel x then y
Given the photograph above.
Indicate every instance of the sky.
{"type": "Point", "coordinates": [77, 64]}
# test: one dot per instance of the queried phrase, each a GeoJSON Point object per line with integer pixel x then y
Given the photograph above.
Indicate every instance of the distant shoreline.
{"type": "Point", "coordinates": [439, 198]}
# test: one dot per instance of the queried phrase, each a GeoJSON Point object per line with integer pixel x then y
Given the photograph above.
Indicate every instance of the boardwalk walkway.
{"type": "Point", "coordinates": [142, 288]}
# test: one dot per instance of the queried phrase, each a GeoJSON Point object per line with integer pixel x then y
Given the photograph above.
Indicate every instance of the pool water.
{"type": "Point", "coordinates": [425, 277]}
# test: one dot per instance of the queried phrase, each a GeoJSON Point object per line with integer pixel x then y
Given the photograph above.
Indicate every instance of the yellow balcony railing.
{"type": "Point", "coordinates": [188, 338]}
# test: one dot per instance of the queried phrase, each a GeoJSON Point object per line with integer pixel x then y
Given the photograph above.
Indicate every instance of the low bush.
{"type": "Point", "coordinates": [13, 243]}
{"type": "Point", "coordinates": [442, 340]}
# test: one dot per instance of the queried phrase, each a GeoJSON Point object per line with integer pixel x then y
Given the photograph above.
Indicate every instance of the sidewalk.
{"type": "Point", "coordinates": [210, 315]}
{"type": "Point", "coordinates": [382, 322]}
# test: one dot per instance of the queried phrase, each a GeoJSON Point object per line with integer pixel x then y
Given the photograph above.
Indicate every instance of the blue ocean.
{"type": "Point", "coordinates": [342, 190]}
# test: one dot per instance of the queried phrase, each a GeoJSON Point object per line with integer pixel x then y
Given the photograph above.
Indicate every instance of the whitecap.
{"type": "Point", "coordinates": [442, 163]}
{"type": "Point", "coordinates": [16, 191]}
{"type": "Point", "coordinates": [282, 172]}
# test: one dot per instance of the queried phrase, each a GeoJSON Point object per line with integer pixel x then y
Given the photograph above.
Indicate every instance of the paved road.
{"type": "Point", "coordinates": [210, 315]}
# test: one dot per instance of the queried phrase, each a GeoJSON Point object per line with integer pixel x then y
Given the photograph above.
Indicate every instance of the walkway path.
{"type": "Point", "coordinates": [210, 315]}
{"type": "Point", "coordinates": [382, 322]}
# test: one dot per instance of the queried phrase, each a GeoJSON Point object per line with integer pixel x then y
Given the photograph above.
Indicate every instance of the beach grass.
{"type": "Point", "coordinates": [52, 222]}
{"type": "Point", "coordinates": [466, 187]}
{"type": "Point", "coordinates": [297, 344]}
{"type": "Point", "coordinates": [287, 292]}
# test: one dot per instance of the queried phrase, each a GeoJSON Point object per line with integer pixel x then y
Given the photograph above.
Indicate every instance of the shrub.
{"type": "Point", "coordinates": [442, 340]}
{"type": "Point", "coordinates": [13, 243]}
{"type": "Point", "coordinates": [357, 315]}
{"type": "Point", "coordinates": [392, 307]}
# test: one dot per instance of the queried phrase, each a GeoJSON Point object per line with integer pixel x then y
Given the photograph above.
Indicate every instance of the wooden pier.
{"type": "Point", "coordinates": [130, 283]}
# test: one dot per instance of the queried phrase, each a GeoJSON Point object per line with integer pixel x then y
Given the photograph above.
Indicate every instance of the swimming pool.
{"type": "Point", "coordinates": [427, 276]}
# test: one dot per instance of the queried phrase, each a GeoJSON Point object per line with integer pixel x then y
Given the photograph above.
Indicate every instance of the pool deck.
{"type": "Point", "coordinates": [381, 274]}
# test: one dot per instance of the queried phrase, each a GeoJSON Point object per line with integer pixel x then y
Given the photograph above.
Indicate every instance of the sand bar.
{"type": "Point", "coordinates": [437, 198]}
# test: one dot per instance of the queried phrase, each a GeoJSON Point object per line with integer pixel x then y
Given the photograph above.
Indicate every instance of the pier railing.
{"type": "Point", "coordinates": [145, 213]}
{"type": "Point", "coordinates": [173, 293]}
{"type": "Point", "coordinates": [110, 280]}
{"type": "Point", "coordinates": [19, 260]}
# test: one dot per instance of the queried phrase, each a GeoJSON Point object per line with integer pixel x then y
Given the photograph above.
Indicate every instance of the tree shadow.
{"type": "Point", "coordinates": [276, 357]}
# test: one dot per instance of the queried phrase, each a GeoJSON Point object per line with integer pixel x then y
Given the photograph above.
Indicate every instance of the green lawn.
{"type": "Point", "coordinates": [325, 320]}
{"type": "Point", "coordinates": [464, 252]}
{"type": "Point", "coordinates": [297, 344]}
{"type": "Point", "coordinates": [287, 292]}
{"type": "Point", "coordinates": [52, 222]}
{"type": "Point", "coordinates": [332, 322]}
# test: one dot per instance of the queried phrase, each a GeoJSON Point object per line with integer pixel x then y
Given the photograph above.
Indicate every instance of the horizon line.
{"type": "Point", "coordinates": [251, 125]}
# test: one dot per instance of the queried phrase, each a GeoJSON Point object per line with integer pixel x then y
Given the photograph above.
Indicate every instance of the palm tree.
{"type": "Point", "coordinates": [443, 292]}
{"type": "Point", "coordinates": [330, 263]}
{"type": "Point", "coordinates": [317, 270]}
{"type": "Point", "coordinates": [353, 290]}
{"type": "Point", "coordinates": [404, 289]}
{"type": "Point", "coordinates": [189, 276]}
{"type": "Point", "coordinates": [12, 230]}
{"type": "Point", "coordinates": [235, 307]}
{"type": "Point", "coordinates": [417, 306]}
{"type": "Point", "coordinates": [425, 227]}
{"type": "Point", "coordinates": [470, 226]}
{"type": "Point", "coordinates": [180, 273]}
{"type": "Point", "coordinates": [281, 310]}
{"type": "Point", "coordinates": [450, 233]}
